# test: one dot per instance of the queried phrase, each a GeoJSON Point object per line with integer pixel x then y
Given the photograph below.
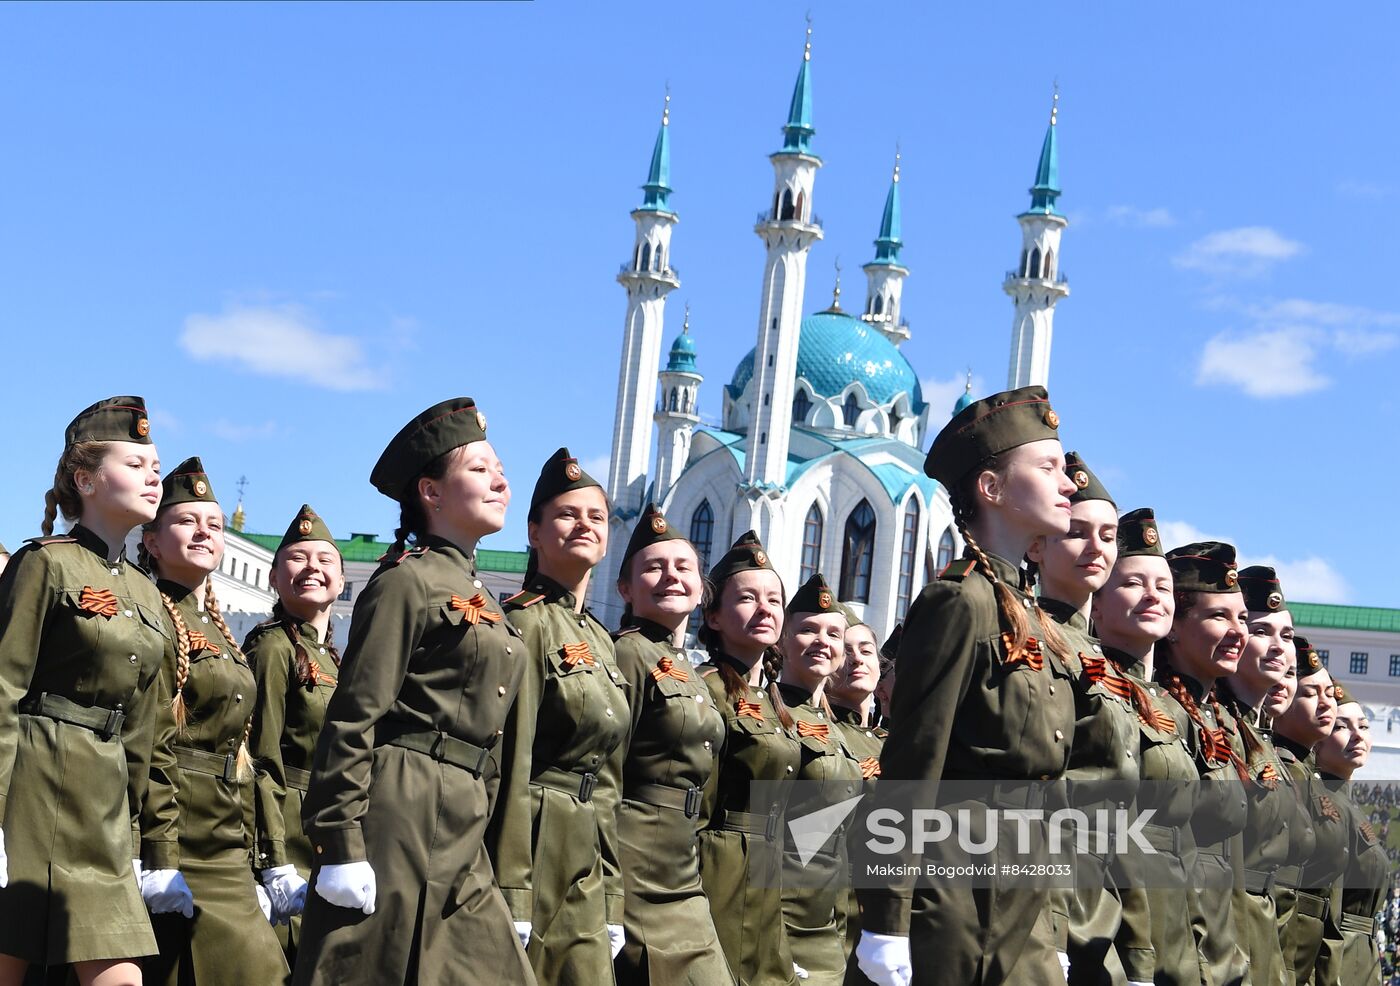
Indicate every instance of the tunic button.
{"type": "Point", "coordinates": [707, 744]}
{"type": "Point", "coordinates": [115, 572]}
{"type": "Point", "coordinates": [700, 699]}
{"type": "Point", "coordinates": [583, 623]}
{"type": "Point", "coordinates": [789, 769]}
{"type": "Point", "coordinates": [476, 583]}
{"type": "Point", "coordinates": [204, 619]}
{"type": "Point", "coordinates": [320, 849]}
{"type": "Point", "coordinates": [1152, 692]}
{"type": "Point", "coordinates": [127, 613]}
{"type": "Point", "coordinates": [500, 732]}
{"type": "Point", "coordinates": [132, 658]}
{"type": "Point", "coordinates": [500, 689]}
{"type": "Point", "coordinates": [608, 711]}
{"type": "Point", "coordinates": [323, 650]}
{"type": "Point", "coordinates": [237, 698]}
{"type": "Point", "coordinates": [507, 650]}
{"type": "Point", "coordinates": [1130, 754]}
{"type": "Point", "coordinates": [1052, 689]}
{"type": "Point", "coordinates": [1059, 735]}
{"type": "Point", "coordinates": [118, 706]}
{"type": "Point", "coordinates": [819, 715]}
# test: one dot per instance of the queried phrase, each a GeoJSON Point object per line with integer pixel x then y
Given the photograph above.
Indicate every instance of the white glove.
{"type": "Point", "coordinates": [136, 868]}
{"type": "Point", "coordinates": [4, 863]}
{"type": "Point", "coordinates": [166, 892]}
{"type": "Point", "coordinates": [287, 891]}
{"type": "Point", "coordinates": [523, 929]}
{"type": "Point", "coordinates": [348, 885]}
{"type": "Point", "coordinates": [801, 972]}
{"type": "Point", "coordinates": [615, 938]}
{"type": "Point", "coordinates": [1138, 982]}
{"type": "Point", "coordinates": [1064, 963]}
{"type": "Point", "coordinates": [264, 903]}
{"type": "Point", "coordinates": [884, 958]}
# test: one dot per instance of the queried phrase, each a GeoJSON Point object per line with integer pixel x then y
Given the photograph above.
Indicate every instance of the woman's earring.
{"type": "Point", "coordinates": [87, 488]}
{"type": "Point", "coordinates": [437, 508]}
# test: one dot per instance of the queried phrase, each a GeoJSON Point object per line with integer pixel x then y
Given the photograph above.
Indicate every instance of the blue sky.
{"type": "Point", "coordinates": [293, 227]}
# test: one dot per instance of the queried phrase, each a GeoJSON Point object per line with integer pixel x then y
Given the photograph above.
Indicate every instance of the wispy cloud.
{"type": "Point", "coordinates": [1244, 251]}
{"type": "Point", "coordinates": [1269, 363]}
{"type": "Point", "coordinates": [243, 431]}
{"type": "Point", "coordinates": [279, 341]}
{"type": "Point", "coordinates": [1311, 579]}
{"type": "Point", "coordinates": [941, 395]}
{"type": "Point", "coordinates": [1131, 215]}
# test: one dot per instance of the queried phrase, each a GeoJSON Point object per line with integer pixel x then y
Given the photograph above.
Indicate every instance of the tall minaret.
{"type": "Point", "coordinates": [1036, 284]}
{"type": "Point", "coordinates": [886, 273]}
{"type": "Point", "coordinates": [677, 412]}
{"type": "Point", "coordinates": [788, 232]}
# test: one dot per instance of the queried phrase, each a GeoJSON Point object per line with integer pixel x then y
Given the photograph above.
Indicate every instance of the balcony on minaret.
{"type": "Point", "coordinates": [631, 272]}
{"type": "Point", "coordinates": [785, 215]}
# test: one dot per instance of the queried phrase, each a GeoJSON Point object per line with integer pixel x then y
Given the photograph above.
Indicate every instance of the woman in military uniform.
{"type": "Point", "coordinates": [1205, 644]}
{"type": "Point", "coordinates": [1349, 954]}
{"type": "Point", "coordinates": [1298, 728]}
{"type": "Point", "coordinates": [816, 888]}
{"type": "Point", "coordinates": [405, 771]}
{"type": "Point", "coordinates": [554, 834]}
{"type": "Point", "coordinates": [983, 694]}
{"type": "Point", "coordinates": [295, 664]}
{"type": "Point", "coordinates": [1103, 765]}
{"type": "Point", "coordinates": [229, 939]}
{"type": "Point", "coordinates": [675, 730]}
{"type": "Point", "coordinates": [1132, 612]}
{"type": "Point", "coordinates": [740, 855]}
{"type": "Point", "coordinates": [81, 641]}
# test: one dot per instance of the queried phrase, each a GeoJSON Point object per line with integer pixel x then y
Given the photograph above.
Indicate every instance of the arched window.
{"type": "Point", "coordinates": [787, 210]}
{"type": "Point", "coordinates": [894, 421]}
{"type": "Point", "coordinates": [850, 410]}
{"type": "Point", "coordinates": [811, 544]}
{"type": "Point", "coordinates": [689, 400]}
{"type": "Point", "coordinates": [945, 549]}
{"type": "Point", "coordinates": [858, 554]}
{"type": "Point", "coordinates": [775, 205]}
{"type": "Point", "coordinates": [1025, 263]}
{"type": "Point", "coordinates": [1049, 263]}
{"type": "Point", "coordinates": [659, 264]}
{"type": "Point", "coordinates": [646, 257]}
{"type": "Point", "coordinates": [675, 400]}
{"type": "Point", "coordinates": [702, 531]}
{"type": "Point", "coordinates": [1035, 263]}
{"type": "Point", "coordinates": [800, 213]}
{"type": "Point", "coordinates": [908, 557]}
{"type": "Point", "coordinates": [801, 406]}
{"type": "Point", "coordinates": [879, 305]}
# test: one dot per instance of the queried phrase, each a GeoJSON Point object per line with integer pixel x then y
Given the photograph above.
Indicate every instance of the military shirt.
{"type": "Point", "coordinates": [1352, 956]}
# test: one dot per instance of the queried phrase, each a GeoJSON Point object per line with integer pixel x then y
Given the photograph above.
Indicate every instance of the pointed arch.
{"type": "Point", "coordinates": [1025, 262]}
{"type": "Point", "coordinates": [675, 400]}
{"type": "Point", "coordinates": [858, 554]}
{"type": "Point", "coordinates": [946, 549]}
{"type": "Point", "coordinates": [801, 406]}
{"type": "Point", "coordinates": [908, 556]}
{"type": "Point", "coordinates": [1035, 263]}
{"type": "Point", "coordinates": [850, 410]}
{"type": "Point", "coordinates": [646, 257]}
{"type": "Point", "coordinates": [660, 265]}
{"type": "Point", "coordinates": [1049, 263]}
{"type": "Point", "coordinates": [811, 543]}
{"type": "Point", "coordinates": [879, 305]}
{"type": "Point", "coordinates": [702, 533]}
{"type": "Point", "coordinates": [787, 210]}
{"type": "Point", "coordinates": [776, 206]}
{"type": "Point", "coordinates": [800, 213]}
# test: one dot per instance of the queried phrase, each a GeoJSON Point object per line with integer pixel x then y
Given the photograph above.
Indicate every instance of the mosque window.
{"type": "Point", "coordinates": [675, 400]}
{"type": "Point", "coordinates": [908, 555]}
{"type": "Point", "coordinates": [659, 264]}
{"type": "Point", "coordinates": [646, 257]}
{"type": "Point", "coordinates": [858, 554]}
{"type": "Point", "coordinates": [879, 305]}
{"type": "Point", "coordinates": [1035, 262]}
{"type": "Point", "coordinates": [801, 405]}
{"type": "Point", "coordinates": [765, 399]}
{"type": "Point", "coordinates": [775, 205]}
{"type": "Point", "coordinates": [811, 543]}
{"type": "Point", "coordinates": [894, 420]}
{"type": "Point", "coordinates": [1049, 263]}
{"type": "Point", "coordinates": [801, 210]}
{"type": "Point", "coordinates": [850, 410]}
{"type": "Point", "coordinates": [787, 210]}
{"type": "Point", "coordinates": [945, 550]}
{"type": "Point", "coordinates": [1025, 263]}
{"type": "Point", "coordinates": [702, 530]}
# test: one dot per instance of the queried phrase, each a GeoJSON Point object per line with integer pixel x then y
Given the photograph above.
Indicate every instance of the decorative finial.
{"type": "Point", "coordinates": [896, 161]}
{"type": "Point", "coordinates": [836, 292]}
{"type": "Point", "coordinates": [1055, 103]}
{"type": "Point", "coordinates": [685, 326]}
{"type": "Point", "coordinates": [969, 380]}
{"type": "Point", "coordinates": [807, 52]}
{"type": "Point", "coordinates": [666, 112]}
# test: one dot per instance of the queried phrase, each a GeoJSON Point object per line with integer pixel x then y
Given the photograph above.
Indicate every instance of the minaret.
{"type": "Point", "coordinates": [788, 232]}
{"type": "Point", "coordinates": [648, 277]}
{"type": "Point", "coordinates": [677, 412]}
{"type": "Point", "coordinates": [886, 273]}
{"type": "Point", "coordinates": [1037, 284]}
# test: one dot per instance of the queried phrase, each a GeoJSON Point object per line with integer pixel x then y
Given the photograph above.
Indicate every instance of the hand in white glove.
{"type": "Point", "coordinates": [1138, 982]}
{"type": "Point", "coordinates": [136, 868]}
{"type": "Point", "coordinates": [4, 863]}
{"type": "Point", "coordinates": [801, 972]}
{"type": "Point", "coordinates": [884, 958]}
{"type": "Point", "coordinates": [287, 891]}
{"type": "Point", "coordinates": [615, 938]}
{"type": "Point", "coordinates": [264, 903]}
{"type": "Point", "coordinates": [523, 929]}
{"type": "Point", "coordinates": [348, 885]}
{"type": "Point", "coordinates": [1064, 962]}
{"type": "Point", "coordinates": [166, 892]}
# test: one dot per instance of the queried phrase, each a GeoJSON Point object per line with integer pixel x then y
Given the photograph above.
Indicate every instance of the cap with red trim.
{"type": "Point", "coordinates": [561, 474]}
{"type": "Point", "coordinates": [1138, 535]}
{"type": "Point", "coordinates": [989, 427]}
{"type": "Point", "coordinates": [189, 483]}
{"type": "Point", "coordinates": [1262, 592]}
{"type": "Point", "coordinates": [815, 596]}
{"type": "Point", "coordinates": [652, 528]}
{"type": "Point", "coordinates": [307, 525]}
{"type": "Point", "coordinates": [1204, 566]}
{"type": "Point", "coordinates": [746, 555]}
{"type": "Point", "coordinates": [1309, 663]}
{"type": "Point", "coordinates": [1086, 484]}
{"type": "Point", "coordinates": [441, 428]}
{"type": "Point", "coordinates": [117, 419]}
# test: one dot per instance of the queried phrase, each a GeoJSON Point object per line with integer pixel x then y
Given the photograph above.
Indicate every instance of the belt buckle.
{"type": "Point", "coordinates": [230, 773]}
{"type": "Point", "coordinates": [435, 747]}
{"type": "Point", "coordinates": [692, 802]}
{"type": "Point", "coordinates": [586, 786]}
{"type": "Point", "coordinates": [481, 762]}
{"type": "Point", "coordinates": [114, 723]}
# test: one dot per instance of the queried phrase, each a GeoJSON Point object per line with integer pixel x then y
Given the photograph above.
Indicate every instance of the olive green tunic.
{"type": "Point", "coordinates": [70, 796]}
{"type": "Point", "coordinates": [414, 661]}
{"type": "Point", "coordinates": [865, 742]}
{"type": "Point", "coordinates": [816, 895]}
{"type": "Point", "coordinates": [1349, 955]}
{"type": "Point", "coordinates": [963, 712]}
{"type": "Point", "coordinates": [228, 941]}
{"type": "Point", "coordinates": [287, 719]}
{"type": "Point", "coordinates": [1156, 941]}
{"type": "Point", "coordinates": [675, 731]}
{"type": "Point", "coordinates": [1304, 907]}
{"type": "Point", "coordinates": [748, 913]}
{"type": "Point", "coordinates": [553, 837]}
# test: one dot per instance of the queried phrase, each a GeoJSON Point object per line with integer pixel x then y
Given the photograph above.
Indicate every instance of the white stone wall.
{"type": "Point", "coordinates": [1036, 289]}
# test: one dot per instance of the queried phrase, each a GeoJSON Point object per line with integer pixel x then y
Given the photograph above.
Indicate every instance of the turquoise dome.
{"type": "Point", "coordinates": [836, 350]}
{"type": "Point", "coordinates": [964, 399]}
{"type": "Point", "coordinates": [682, 354]}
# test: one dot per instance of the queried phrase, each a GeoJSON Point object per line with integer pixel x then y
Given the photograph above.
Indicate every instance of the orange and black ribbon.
{"type": "Point", "coordinates": [576, 654]}
{"type": "Point", "coordinates": [199, 642]}
{"type": "Point", "coordinates": [1268, 777]}
{"type": "Point", "coordinates": [318, 677]}
{"type": "Point", "coordinates": [1150, 715]}
{"type": "Point", "coordinates": [1329, 808]}
{"type": "Point", "coordinates": [818, 730]}
{"type": "Point", "coordinates": [754, 710]}
{"type": "Point", "coordinates": [474, 609]}
{"type": "Point", "coordinates": [666, 668]}
{"type": "Point", "coordinates": [870, 767]}
{"type": "Point", "coordinates": [1096, 669]}
{"type": "Point", "coordinates": [98, 602]}
{"type": "Point", "coordinates": [1029, 654]}
{"type": "Point", "coordinates": [1215, 745]}
{"type": "Point", "coordinates": [1367, 832]}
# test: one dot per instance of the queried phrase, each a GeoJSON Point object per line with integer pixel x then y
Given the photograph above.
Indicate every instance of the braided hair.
{"type": "Point", "coordinates": [1256, 756]}
{"type": "Point", "coordinates": [305, 668]}
{"type": "Point", "coordinates": [64, 496]}
{"type": "Point", "coordinates": [413, 520]}
{"type": "Point", "coordinates": [735, 687]}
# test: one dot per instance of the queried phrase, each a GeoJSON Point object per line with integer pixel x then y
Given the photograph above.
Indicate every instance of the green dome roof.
{"type": "Point", "coordinates": [836, 350]}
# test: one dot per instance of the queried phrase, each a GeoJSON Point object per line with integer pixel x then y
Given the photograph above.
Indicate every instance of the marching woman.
{"type": "Point", "coordinates": [553, 837]}
{"type": "Point", "coordinates": [295, 664]}
{"type": "Point", "coordinates": [1349, 955]}
{"type": "Point", "coordinates": [1298, 729]}
{"type": "Point", "coordinates": [1205, 644]}
{"type": "Point", "coordinates": [82, 636]}
{"type": "Point", "coordinates": [1279, 834]}
{"type": "Point", "coordinates": [739, 855]}
{"type": "Point", "coordinates": [229, 939]}
{"type": "Point", "coordinates": [816, 897]}
{"type": "Point", "coordinates": [983, 694]}
{"type": "Point", "coordinates": [1103, 765]}
{"type": "Point", "coordinates": [406, 764]}
{"type": "Point", "coordinates": [1132, 612]}
{"type": "Point", "coordinates": [675, 730]}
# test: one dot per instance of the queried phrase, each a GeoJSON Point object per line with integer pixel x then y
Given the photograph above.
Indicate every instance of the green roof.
{"type": "Point", "coordinates": [364, 547]}
{"type": "Point", "coordinates": [1330, 616]}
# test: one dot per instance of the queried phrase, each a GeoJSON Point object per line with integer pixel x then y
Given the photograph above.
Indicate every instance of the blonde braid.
{"type": "Point", "coordinates": [182, 661]}
{"type": "Point", "coordinates": [64, 496]}
{"type": "Point", "coordinates": [1009, 606]}
{"type": "Point", "coordinates": [243, 762]}
{"type": "Point", "coordinates": [50, 513]}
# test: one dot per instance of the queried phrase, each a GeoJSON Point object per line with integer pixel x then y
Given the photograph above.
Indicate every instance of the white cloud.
{"type": "Point", "coordinates": [1311, 579]}
{"type": "Point", "coordinates": [1246, 250]}
{"type": "Point", "coordinates": [597, 467]}
{"type": "Point", "coordinates": [1175, 533]}
{"type": "Point", "coordinates": [1129, 215]}
{"type": "Point", "coordinates": [1358, 342]}
{"type": "Point", "coordinates": [941, 395]}
{"type": "Point", "coordinates": [279, 341]}
{"type": "Point", "coordinates": [1268, 363]}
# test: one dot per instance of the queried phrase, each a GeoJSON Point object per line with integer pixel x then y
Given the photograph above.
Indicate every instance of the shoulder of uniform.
{"type": "Point", "coordinates": [621, 632]}
{"type": "Point", "coordinates": [522, 599]}
{"type": "Point", "coordinates": [44, 542]}
{"type": "Point", "coordinates": [958, 569]}
{"type": "Point", "coordinates": [417, 551]}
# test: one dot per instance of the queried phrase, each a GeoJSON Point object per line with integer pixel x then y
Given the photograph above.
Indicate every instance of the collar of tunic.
{"type": "Point", "coordinates": [1065, 613]}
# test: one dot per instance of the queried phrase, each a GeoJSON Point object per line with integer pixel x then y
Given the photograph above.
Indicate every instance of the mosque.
{"type": "Point", "coordinates": [821, 444]}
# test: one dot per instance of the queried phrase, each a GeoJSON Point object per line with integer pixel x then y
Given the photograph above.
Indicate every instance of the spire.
{"type": "Point", "coordinates": [797, 134]}
{"type": "Point", "coordinates": [658, 188]}
{"type": "Point", "coordinates": [966, 397]}
{"type": "Point", "coordinates": [1047, 173]}
{"type": "Point", "coordinates": [888, 244]}
{"type": "Point", "coordinates": [239, 517]}
{"type": "Point", "coordinates": [682, 358]}
{"type": "Point", "coordinates": [835, 308]}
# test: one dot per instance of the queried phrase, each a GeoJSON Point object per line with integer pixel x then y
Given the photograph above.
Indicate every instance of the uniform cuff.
{"type": "Point", "coordinates": [883, 912]}
{"type": "Point", "coordinates": [1140, 964]}
{"type": "Point", "coordinates": [520, 902]}
{"type": "Point", "coordinates": [160, 855]}
{"type": "Point", "coordinates": [268, 854]}
{"type": "Point", "coordinates": [345, 845]}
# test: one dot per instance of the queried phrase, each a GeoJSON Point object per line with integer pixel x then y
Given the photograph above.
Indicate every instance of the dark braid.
{"type": "Point", "coordinates": [1255, 754]}
{"type": "Point", "coordinates": [413, 520]}
{"type": "Point", "coordinates": [772, 668]}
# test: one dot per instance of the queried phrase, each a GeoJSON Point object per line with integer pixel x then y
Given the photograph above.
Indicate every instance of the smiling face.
{"type": "Point", "coordinates": [1309, 716]}
{"type": "Point", "coordinates": [1075, 565]}
{"type": "Point", "coordinates": [571, 535]}
{"type": "Point", "coordinates": [664, 583]}
{"type": "Point", "coordinates": [1346, 748]}
{"type": "Point", "coordinates": [1134, 609]}
{"type": "Point", "coordinates": [749, 614]}
{"type": "Point", "coordinates": [860, 672]}
{"type": "Point", "coordinates": [813, 648]}
{"type": "Point", "coordinates": [1268, 651]}
{"type": "Point", "coordinates": [1209, 635]}
{"type": "Point", "coordinates": [469, 500]}
{"type": "Point", "coordinates": [307, 576]}
{"type": "Point", "coordinates": [125, 488]}
{"type": "Point", "coordinates": [1030, 488]}
{"type": "Point", "coordinates": [187, 541]}
{"type": "Point", "coordinates": [1280, 694]}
